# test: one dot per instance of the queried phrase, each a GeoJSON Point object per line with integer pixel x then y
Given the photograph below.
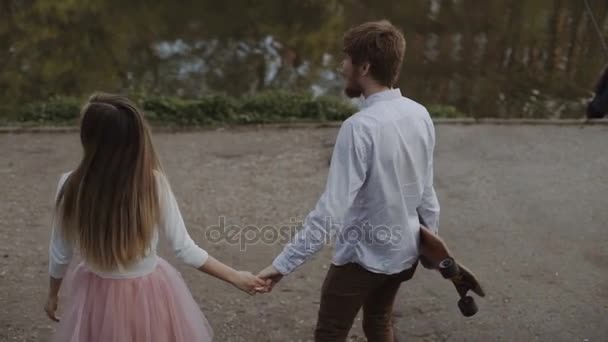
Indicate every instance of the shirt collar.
{"type": "Point", "coordinates": [384, 95]}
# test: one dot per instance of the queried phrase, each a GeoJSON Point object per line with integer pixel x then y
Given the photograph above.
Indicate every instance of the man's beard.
{"type": "Point", "coordinates": [352, 88]}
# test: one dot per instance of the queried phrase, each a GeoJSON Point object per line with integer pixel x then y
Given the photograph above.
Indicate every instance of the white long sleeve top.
{"type": "Point", "coordinates": [171, 227]}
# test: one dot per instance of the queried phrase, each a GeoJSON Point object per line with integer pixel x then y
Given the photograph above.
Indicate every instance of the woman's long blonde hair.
{"type": "Point", "coordinates": [109, 204]}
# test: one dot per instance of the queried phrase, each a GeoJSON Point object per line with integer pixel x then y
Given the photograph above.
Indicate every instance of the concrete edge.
{"type": "Point", "coordinates": [554, 122]}
{"type": "Point", "coordinates": [317, 124]}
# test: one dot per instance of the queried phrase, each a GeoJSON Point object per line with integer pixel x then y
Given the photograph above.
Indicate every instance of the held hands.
{"type": "Point", "coordinates": [262, 283]}
{"type": "Point", "coordinates": [249, 283]}
{"type": "Point", "coordinates": [271, 275]}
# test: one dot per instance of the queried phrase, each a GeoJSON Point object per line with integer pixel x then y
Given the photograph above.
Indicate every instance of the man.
{"type": "Point", "coordinates": [380, 178]}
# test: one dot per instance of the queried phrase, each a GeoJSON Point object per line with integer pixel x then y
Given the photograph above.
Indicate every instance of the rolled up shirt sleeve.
{"type": "Point", "coordinates": [174, 229]}
{"type": "Point", "coordinates": [60, 249]}
{"type": "Point", "coordinates": [347, 174]}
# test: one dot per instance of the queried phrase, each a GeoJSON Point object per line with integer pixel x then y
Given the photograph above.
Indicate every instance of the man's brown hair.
{"type": "Point", "coordinates": [380, 44]}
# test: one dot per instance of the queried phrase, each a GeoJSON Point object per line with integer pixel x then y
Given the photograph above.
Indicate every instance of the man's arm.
{"type": "Point", "coordinates": [429, 206]}
{"type": "Point", "coordinates": [346, 176]}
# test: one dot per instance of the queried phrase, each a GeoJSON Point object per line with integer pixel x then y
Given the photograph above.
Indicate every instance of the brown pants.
{"type": "Point", "coordinates": [349, 287]}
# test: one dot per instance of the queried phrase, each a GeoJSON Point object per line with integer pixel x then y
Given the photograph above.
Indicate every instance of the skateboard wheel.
{"type": "Point", "coordinates": [467, 306]}
{"type": "Point", "coordinates": [448, 268]}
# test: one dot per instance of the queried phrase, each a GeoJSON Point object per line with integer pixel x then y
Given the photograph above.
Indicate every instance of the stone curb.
{"type": "Point", "coordinates": [311, 125]}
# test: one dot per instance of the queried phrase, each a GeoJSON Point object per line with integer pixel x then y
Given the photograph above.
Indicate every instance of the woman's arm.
{"type": "Point", "coordinates": [174, 228]}
{"type": "Point", "coordinates": [60, 255]}
{"type": "Point", "coordinates": [51, 301]}
{"type": "Point", "coordinates": [242, 280]}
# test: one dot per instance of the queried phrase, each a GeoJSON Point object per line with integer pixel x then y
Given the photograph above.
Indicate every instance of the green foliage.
{"type": "Point", "coordinates": [263, 107]}
{"type": "Point", "coordinates": [270, 106]}
{"type": "Point", "coordinates": [188, 49]}
{"type": "Point", "coordinates": [57, 110]}
{"type": "Point", "coordinates": [201, 112]}
{"type": "Point", "coordinates": [444, 111]}
{"type": "Point", "coordinates": [327, 108]}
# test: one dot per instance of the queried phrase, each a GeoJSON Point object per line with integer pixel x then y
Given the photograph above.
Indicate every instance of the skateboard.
{"type": "Point", "coordinates": [434, 254]}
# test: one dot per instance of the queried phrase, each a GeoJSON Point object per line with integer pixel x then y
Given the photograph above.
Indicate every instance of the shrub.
{"type": "Point", "coordinates": [56, 110]}
{"type": "Point", "coordinates": [205, 111]}
{"type": "Point", "coordinates": [445, 111]}
{"type": "Point", "coordinates": [265, 107]}
{"type": "Point", "coordinates": [273, 106]}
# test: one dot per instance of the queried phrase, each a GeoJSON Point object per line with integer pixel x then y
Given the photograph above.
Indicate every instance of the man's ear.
{"type": "Point", "coordinates": [364, 69]}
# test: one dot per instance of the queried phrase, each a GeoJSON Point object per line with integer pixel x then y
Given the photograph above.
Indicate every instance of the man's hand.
{"type": "Point", "coordinates": [271, 275]}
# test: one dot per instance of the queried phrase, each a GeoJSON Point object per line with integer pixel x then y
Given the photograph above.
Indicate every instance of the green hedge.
{"type": "Point", "coordinates": [210, 110]}
{"type": "Point", "coordinates": [56, 110]}
{"type": "Point", "coordinates": [445, 111]}
{"type": "Point", "coordinates": [265, 107]}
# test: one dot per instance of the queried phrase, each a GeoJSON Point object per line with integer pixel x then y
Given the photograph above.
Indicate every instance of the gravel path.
{"type": "Point", "coordinates": [526, 207]}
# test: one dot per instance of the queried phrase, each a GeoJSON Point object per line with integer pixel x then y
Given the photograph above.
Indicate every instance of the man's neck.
{"type": "Point", "coordinates": [373, 89]}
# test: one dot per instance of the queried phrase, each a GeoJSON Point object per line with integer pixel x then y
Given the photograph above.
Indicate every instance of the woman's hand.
{"type": "Point", "coordinates": [249, 283]}
{"type": "Point", "coordinates": [242, 280]}
{"type": "Point", "coordinates": [51, 307]}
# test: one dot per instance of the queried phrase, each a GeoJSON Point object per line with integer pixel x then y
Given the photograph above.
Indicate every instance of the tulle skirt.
{"type": "Point", "coordinates": [156, 307]}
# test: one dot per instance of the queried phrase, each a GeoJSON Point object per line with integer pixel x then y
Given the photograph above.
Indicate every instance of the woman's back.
{"type": "Point", "coordinates": [170, 225]}
{"type": "Point", "coordinates": [112, 208]}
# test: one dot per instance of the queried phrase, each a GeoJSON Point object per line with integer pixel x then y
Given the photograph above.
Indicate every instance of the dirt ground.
{"type": "Point", "coordinates": [526, 207]}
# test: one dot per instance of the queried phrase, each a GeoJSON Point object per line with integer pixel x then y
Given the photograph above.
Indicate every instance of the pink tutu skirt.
{"type": "Point", "coordinates": [156, 307]}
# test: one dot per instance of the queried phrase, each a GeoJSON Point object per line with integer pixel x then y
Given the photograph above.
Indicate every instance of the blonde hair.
{"type": "Point", "coordinates": [109, 204]}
